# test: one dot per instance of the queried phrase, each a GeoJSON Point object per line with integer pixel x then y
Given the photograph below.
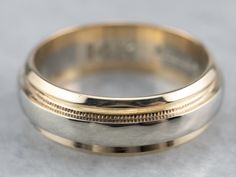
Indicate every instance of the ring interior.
{"type": "Point", "coordinates": [70, 58]}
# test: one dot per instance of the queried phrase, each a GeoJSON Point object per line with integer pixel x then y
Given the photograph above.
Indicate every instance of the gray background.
{"type": "Point", "coordinates": [24, 152]}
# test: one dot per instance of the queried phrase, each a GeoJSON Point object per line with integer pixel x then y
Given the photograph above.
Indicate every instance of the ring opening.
{"type": "Point", "coordinates": [121, 60]}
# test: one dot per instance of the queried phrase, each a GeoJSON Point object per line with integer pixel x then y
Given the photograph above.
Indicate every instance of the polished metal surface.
{"type": "Point", "coordinates": [25, 153]}
{"type": "Point", "coordinates": [125, 124]}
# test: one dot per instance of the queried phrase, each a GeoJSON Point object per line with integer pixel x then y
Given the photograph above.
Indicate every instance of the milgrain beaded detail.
{"type": "Point", "coordinates": [114, 125]}
{"type": "Point", "coordinates": [72, 113]}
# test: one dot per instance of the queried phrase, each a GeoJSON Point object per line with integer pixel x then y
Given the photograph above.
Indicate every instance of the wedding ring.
{"type": "Point", "coordinates": [180, 111]}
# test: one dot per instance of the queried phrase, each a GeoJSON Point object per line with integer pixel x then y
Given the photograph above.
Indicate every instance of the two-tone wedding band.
{"type": "Point", "coordinates": [130, 124]}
